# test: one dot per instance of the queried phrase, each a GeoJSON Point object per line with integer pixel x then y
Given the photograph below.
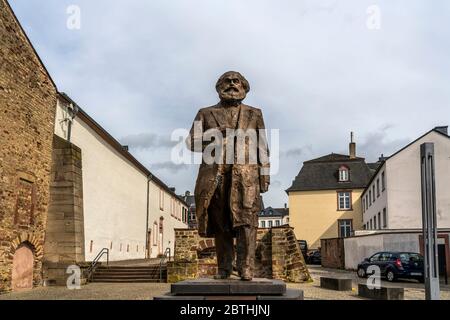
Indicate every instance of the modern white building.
{"type": "Point", "coordinates": [125, 207]}
{"type": "Point", "coordinates": [392, 205]}
{"type": "Point", "coordinates": [392, 199]}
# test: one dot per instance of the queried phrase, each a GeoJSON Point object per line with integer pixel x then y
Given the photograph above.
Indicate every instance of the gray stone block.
{"type": "Point", "coordinates": [339, 284]}
{"type": "Point", "coordinates": [206, 286]}
{"type": "Point", "coordinates": [383, 293]}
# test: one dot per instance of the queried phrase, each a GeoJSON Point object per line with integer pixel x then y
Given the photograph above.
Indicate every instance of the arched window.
{"type": "Point", "coordinates": [344, 173]}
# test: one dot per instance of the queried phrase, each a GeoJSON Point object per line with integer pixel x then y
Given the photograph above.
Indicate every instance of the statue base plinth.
{"type": "Point", "coordinates": [231, 289]}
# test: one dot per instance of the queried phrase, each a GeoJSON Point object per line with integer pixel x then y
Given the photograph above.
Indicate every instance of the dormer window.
{"type": "Point", "coordinates": [343, 174]}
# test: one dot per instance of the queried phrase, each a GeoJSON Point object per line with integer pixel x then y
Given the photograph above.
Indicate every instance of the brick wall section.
{"type": "Point", "coordinates": [277, 256]}
{"type": "Point", "coordinates": [64, 242]}
{"type": "Point", "coordinates": [287, 259]}
{"type": "Point", "coordinates": [332, 253]}
{"type": "Point", "coordinates": [27, 112]}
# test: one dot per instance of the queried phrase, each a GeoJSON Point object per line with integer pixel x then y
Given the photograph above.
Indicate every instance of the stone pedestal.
{"type": "Point", "coordinates": [382, 293]}
{"type": "Point", "coordinates": [339, 284]}
{"type": "Point", "coordinates": [231, 289]}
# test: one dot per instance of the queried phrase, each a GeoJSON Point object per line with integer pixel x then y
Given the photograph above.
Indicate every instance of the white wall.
{"type": "Point", "coordinates": [380, 203]}
{"type": "Point", "coordinates": [404, 184]}
{"type": "Point", "coordinates": [358, 248]}
{"type": "Point", "coordinates": [114, 197]}
{"type": "Point", "coordinates": [170, 222]}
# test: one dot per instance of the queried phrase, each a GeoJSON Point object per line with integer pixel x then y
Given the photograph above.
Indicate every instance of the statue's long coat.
{"type": "Point", "coordinates": [244, 198]}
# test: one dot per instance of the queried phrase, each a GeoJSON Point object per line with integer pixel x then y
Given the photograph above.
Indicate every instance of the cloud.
{"type": "Point", "coordinates": [380, 142]}
{"type": "Point", "coordinates": [147, 141]}
{"type": "Point", "coordinates": [315, 69]}
{"type": "Point", "coordinates": [296, 152]}
{"type": "Point", "coordinates": [169, 165]}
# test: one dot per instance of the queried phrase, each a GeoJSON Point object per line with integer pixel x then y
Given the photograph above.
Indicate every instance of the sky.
{"type": "Point", "coordinates": [318, 69]}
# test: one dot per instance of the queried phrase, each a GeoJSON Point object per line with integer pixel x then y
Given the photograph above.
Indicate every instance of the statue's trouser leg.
{"type": "Point", "coordinates": [225, 252]}
{"type": "Point", "coordinates": [245, 247]}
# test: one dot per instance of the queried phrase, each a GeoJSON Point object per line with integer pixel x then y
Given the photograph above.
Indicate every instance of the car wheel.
{"type": "Point", "coordinates": [361, 273]}
{"type": "Point", "coordinates": [390, 276]}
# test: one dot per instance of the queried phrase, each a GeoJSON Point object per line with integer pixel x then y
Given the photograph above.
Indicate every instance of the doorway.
{"type": "Point", "coordinates": [22, 270]}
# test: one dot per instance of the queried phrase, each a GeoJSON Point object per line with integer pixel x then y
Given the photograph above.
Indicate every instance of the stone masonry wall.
{"type": "Point", "coordinates": [64, 242]}
{"type": "Point", "coordinates": [277, 256]}
{"type": "Point", "coordinates": [27, 112]}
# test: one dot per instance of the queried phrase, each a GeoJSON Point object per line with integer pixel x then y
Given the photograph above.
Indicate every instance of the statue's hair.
{"type": "Point", "coordinates": [240, 76]}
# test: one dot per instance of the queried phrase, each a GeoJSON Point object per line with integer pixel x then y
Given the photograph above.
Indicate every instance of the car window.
{"type": "Point", "coordinates": [375, 257]}
{"type": "Point", "coordinates": [407, 257]}
{"type": "Point", "coordinates": [385, 256]}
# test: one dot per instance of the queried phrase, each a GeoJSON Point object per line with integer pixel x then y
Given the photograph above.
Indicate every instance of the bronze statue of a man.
{"type": "Point", "coordinates": [227, 193]}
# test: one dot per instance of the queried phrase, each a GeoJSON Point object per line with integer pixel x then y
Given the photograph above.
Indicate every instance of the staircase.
{"type": "Point", "coordinates": [135, 274]}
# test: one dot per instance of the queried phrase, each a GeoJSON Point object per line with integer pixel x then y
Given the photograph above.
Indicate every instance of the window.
{"type": "Point", "coordinates": [345, 228]}
{"type": "Point", "coordinates": [155, 233]}
{"type": "Point", "coordinates": [378, 187]}
{"type": "Point", "coordinates": [277, 223]}
{"type": "Point", "coordinates": [383, 182]}
{"type": "Point", "coordinates": [270, 223]}
{"type": "Point", "coordinates": [263, 224]}
{"type": "Point", "coordinates": [370, 224]}
{"type": "Point", "coordinates": [373, 192]}
{"type": "Point", "coordinates": [364, 204]}
{"type": "Point", "coordinates": [370, 197]}
{"type": "Point", "coordinates": [161, 199]}
{"type": "Point", "coordinates": [375, 257]}
{"type": "Point", "coordinates": [385, 256]}
{"type": "Point", "coordinates": [379, 220]}
{"type": "Point", "coordinates": [384, 219]}
{"type": "Point", "coordinates": [375, 222]}
{"type": "Point", "coordinates": [91, 247]}
{"type": "Point", "coordinates": [344, 202]}
{"type": "Point", "coordinates": [343, 174]}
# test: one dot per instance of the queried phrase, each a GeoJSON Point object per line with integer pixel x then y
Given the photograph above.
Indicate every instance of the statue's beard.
{"type": "Point", "coordinates": [232, 94]}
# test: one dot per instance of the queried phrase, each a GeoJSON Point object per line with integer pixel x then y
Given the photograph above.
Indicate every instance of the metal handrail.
{"type": "Point", "coordinates": [163, 259]}
{"type": "Point", "coordinates": [95, 261]}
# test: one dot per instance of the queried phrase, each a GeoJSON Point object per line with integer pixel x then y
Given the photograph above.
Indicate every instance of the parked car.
{"type": "Point", "coordinates": [394, 265]}
{"type": "Point", "coordinates": [314, 257]}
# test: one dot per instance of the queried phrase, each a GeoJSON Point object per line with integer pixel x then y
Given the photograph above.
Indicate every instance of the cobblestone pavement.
{"type": "Point", "coordinates": [146, 291]}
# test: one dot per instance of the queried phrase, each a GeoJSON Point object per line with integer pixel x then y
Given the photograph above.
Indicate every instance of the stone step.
{"type": "Point", "coordinates": [127, 280]}
{"type": "Point", "coordinates": [129, 274]}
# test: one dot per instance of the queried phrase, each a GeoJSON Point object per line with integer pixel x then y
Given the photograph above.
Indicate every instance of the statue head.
{"type": "Point", "coordinates": [232, 87]}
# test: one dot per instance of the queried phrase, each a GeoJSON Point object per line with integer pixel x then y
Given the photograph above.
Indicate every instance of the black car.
{"type": "Point", "coordinates": [314, 257]}
{"type": "Point", "coordinates": [394, 265]}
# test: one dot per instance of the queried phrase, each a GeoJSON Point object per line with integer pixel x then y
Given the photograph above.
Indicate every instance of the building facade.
{"type": "Point", "coordinates": [324, 198]}
{"type": "Point", "coordinates": [392, 207]}
{"type": "Point", "coordinates": [273, 217]}
{"type": "Point", "coordinates": [27, 112]}
{"type": "Point", "coordinates": [392, 199]}
{"type": "Point", "coordinates": [126, 208]}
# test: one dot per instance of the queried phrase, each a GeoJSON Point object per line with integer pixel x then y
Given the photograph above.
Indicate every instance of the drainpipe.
{"type": "Point", "coordinates": [149, 178]}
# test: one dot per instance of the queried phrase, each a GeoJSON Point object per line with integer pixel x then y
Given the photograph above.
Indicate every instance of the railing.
{"type": "Point", "coordinates": [163, 259]}
{"type": "Point", "coordinates": [94, 263]}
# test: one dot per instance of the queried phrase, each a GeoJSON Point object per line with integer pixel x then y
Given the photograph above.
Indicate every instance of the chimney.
{"type": "Point", "coordinates": [172, 189]}
{"type": "Point", "coordinates": [352, 147]}
{"type": "Point", "coordinates": [125, 148]}
{"type": "Point", "coordinates": [442, 129]}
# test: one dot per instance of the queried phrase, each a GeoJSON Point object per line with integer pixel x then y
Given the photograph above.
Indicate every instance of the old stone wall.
{"type": "Point", "coordinates": [27, 111]}
{"type": "Point", "coordinates": [64, 242]}
{"type": "Point", "coordinates": [277, 256]}
{"type": "Point", "coordinates": [332, 253]}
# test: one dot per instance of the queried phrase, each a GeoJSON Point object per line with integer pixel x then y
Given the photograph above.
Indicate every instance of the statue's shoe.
{"type": "Point", "coordinates": [221, 276]}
